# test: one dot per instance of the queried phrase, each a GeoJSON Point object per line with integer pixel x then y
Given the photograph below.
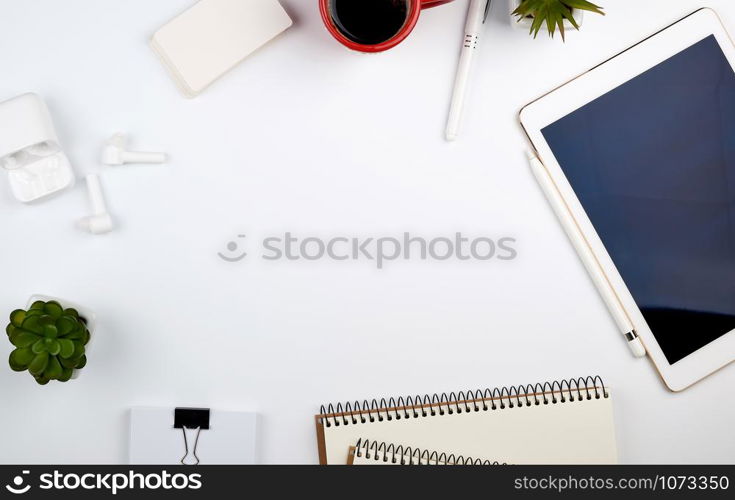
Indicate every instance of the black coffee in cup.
{"type": "Point", "coordinates": [369, 22]}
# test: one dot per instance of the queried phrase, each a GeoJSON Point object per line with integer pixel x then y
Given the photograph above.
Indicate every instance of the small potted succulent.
{"type": "Point", "coordinates": [548, 15]}
{"type": "Point", "coordinates": [50, 339]}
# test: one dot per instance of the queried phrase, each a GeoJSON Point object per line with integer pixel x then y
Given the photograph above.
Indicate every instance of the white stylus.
{"type": "Point", "coordinates": [476, 16]}
{"type": "Point", "coordinates": [586, 255]}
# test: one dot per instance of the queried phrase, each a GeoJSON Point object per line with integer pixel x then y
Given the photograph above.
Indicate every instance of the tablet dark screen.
{"type": "Point", "coordinates": [653, 164]}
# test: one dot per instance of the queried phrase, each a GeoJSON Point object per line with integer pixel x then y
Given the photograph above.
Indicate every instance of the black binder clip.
{"type": "Point", "coordinates": [191, 420]}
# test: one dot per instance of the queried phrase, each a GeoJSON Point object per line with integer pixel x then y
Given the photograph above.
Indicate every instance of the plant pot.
{"type": "Point", "coordinates": [85, 313]}
{"type": "Point", "coordinates": [526, 22]}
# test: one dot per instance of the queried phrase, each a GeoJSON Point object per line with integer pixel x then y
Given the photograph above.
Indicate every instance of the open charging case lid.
{"type": "Point", "coordinates": [30, 151]}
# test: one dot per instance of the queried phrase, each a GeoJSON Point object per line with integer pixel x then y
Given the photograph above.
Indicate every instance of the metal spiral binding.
{"type": "Point", "coordinates": [556, 392]}
{"type": "Point", "coordinates": [400, 455]}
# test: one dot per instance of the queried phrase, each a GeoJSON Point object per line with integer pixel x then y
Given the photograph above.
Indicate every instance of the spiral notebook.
{"type": "Point", "coordinates": [367, 452]}
{"type": "Point", "coordinates": [563, 422]}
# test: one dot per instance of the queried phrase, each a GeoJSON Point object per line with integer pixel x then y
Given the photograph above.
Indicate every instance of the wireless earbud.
{"type": "Point", "coordinates": [115, 153]}
{"type": "Point", "coordinates": [100, 221]}
{"type": "Point", "coordinates": [11, 162]}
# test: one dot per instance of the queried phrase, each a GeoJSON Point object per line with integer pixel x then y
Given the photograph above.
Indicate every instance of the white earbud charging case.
{"type": "Point", "coordinates": [30, 150]}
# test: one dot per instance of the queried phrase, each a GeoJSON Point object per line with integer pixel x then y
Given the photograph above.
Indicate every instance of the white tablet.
{"type": "Point", "coordinates": [642, 149]}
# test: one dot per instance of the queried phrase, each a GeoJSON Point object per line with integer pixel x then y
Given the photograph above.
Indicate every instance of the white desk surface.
{"type": "Point", "coordinates": [308, 137]}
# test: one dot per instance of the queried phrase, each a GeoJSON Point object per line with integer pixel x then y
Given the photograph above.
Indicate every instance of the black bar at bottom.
{"type": "Point", "coordinates": [244, 482]}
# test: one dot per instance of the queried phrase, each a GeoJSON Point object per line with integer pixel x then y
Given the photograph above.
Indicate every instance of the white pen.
{"type": "Point", "coordinates": [585, 254]}
{"type": "Point", "coordinates": [476, 16]}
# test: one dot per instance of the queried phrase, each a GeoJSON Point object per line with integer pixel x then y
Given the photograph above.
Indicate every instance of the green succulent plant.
{"type": "Point", "coordinates": [552, 13]}
{"type": "Point", "coordinates": [49, 341]}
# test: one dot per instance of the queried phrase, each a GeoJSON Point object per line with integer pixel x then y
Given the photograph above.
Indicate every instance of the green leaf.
{"type": "Point", "coordinates": [550, 24]}
{"type": "Point", "coordinates": [42, 380]}
{"type": "Point", "coordinates": [20, 359]}
{"type": "Point", "coordinates": [66, 348]}
{"type": "Point", "coordinates": [22, 356]}
{"type": "Point", "coordinates": [71, 312]}
{"type": "Point", "coordinates": [21, 338]}
{"type": "Point", "coordinates": [78, 351]}
{"type": "Point", "coordinates": [10, 329]}
{"type": "Point", "coordinates": [39, 346]}
{"type": "Point", "coordinates": [538, 22]}
{"type": "Point", "coordinates": [38, 305]}
{"type": "Point", "coordinates": [68, 362]}
{"type": "Point", "coordinates": [53, 369]}
{"type": "Point", "coordinates": [53, 309]}
{"type": "Point", "coordinates": [17, 317]}
{"type": "Point", "coordinates": [66, 324]}
{"type": "Point", "coordinates": [33, 324]}
{"type": "Point", "coordinates": [81, 363]}
{"type": "Point", "coordinates": [66, 374]}
{"type": "Point", "coordinates": [568, 15]}
{"type": "Point", "coordinates": [558, 20]}
{"type": "Point", "coordinates": [77, 333]}
{"type": "Point", "coordinates": [53, 347]}
{"type": "Point", "coordinates": [583, 5]}
{"type": "Point", "coordinates": [39, 363]}
{"type": "Point", "coordinates": [47, 319]}
{"type": "Point", "coordinates": [50, 331]}
{"type": "Point", "coordinates": [551, 14]}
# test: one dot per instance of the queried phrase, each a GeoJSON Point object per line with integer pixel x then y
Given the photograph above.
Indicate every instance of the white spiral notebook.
{"type": "Point", "coordinates": [367, 452]}
{"type": "Point", "coordinates": [564, 422]}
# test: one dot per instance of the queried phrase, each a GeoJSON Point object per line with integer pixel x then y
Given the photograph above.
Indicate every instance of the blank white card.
{"type": "Point", "coordinates": [230, 439]}
{"type": "Point", "coordinates": [213, 36]}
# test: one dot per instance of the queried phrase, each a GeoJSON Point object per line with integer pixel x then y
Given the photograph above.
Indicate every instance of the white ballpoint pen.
{"type": "Point", "coordinates": [476, 16]}
{"type": "Point", "coordinates": [587, 257]}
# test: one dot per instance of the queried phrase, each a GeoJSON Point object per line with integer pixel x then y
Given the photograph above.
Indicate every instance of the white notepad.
{"type": "Point", "coordinates": [213, 36]}
{"type": "Point", "coordinates": [230, 439]}
{"type": "Point", "coordinates": [568, 422]}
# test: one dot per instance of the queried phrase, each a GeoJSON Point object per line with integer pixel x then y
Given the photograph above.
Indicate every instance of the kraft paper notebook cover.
{"type": "Point", "coordinates": [367, 452]}
{"type": "Point", "coordinates": [566, 422]}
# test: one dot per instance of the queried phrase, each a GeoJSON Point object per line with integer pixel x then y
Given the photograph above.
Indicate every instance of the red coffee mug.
{"type": "Point", "coordinates": [412, 17]}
